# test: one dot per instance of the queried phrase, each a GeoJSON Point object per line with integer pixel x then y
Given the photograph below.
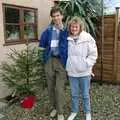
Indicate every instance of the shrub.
{"type": "Point", "coordinates": [23, 71]}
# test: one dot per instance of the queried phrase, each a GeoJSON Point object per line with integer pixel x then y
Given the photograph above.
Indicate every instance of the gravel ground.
{"type": "Point", "coordinates": [105, 104]}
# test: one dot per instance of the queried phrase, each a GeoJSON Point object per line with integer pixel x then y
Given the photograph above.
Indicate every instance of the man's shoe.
{"type": "Point", "coordinates": [60, 117]}
{"type": "Point", "coordinates": [72, 116]}
{"type": "Point", "coordinates": [53, 113]}
{"type": "Point", "coordinates": [88, 116]}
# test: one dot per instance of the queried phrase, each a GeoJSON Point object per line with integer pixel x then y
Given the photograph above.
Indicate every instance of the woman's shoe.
{"type": "Point", "coordinates": [88, 116]}
{"type": "Point", "coordinates": [72, 116]}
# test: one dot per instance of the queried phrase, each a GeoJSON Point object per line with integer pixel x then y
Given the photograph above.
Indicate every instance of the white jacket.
{"type": "Point", "coordinates": [82, 55]}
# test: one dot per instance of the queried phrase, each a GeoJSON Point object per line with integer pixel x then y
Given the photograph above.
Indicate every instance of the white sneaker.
{"type": "Point", "coordinates": [88, 116]}
{"type": "Point", "coordinates": [72, 116]}
{"type": "Point", "coordinates": [60, 117]}
{"type": "Point", "coordinates": [53, 113]}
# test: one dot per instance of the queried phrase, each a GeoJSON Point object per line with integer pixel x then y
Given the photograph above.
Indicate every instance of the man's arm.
{"type": "Point", "coordinates": [43, 39]}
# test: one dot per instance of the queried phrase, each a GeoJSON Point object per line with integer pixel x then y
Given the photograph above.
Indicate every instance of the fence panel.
{"type": "Point", "coordinates": [104, 66]}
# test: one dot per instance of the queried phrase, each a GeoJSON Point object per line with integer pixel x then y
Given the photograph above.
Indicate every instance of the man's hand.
{"type": "Point", "coordinates": [41, 54]}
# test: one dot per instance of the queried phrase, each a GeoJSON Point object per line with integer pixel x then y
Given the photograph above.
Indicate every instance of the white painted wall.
{"type": "Point", "coordinates": [43, 7]}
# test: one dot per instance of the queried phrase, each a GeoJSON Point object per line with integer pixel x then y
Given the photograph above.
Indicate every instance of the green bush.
{"type": "Point", "coordinates": [87, 10]}
{"type": "Point", "coordinates": [24, 71]}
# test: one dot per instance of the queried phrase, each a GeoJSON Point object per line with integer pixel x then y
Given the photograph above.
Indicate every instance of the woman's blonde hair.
{"type": "Point", "coordinates": [74, 20]}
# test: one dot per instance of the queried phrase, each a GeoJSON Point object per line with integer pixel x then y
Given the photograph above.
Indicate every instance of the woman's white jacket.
{"type": "Point", "coordinates": [82, 55]}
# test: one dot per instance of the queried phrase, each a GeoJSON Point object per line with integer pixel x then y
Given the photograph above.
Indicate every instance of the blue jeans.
{"type": "Point", "coordinates": [77, 84]}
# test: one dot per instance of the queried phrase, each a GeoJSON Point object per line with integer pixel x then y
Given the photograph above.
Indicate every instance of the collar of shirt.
{"type": "Point", "coordinates": [60, 28]}
{"type": "Point", "coordinates": [56, 29]}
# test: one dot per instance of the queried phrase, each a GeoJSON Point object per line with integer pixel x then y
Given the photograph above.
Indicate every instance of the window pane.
{"type": "Point", "coordinates": [29, 16]}
{"type": "Point", "coordinates": [29, 32]}
{"type": "Point", "coordinates": [13, 32]}
{"type": "Point", "coordinates": [12, 15]}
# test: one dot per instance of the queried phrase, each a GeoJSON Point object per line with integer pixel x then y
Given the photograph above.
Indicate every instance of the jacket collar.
{"type": "Point", "coordinates": [81, 38]}
{"type": "Point", "coordinates": [52, 27]}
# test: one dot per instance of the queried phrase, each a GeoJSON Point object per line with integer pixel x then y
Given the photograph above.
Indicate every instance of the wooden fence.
{"type": "Point", "coordinates": [107, 67]}
{"type": "Point", "coordinates": [118, 55]}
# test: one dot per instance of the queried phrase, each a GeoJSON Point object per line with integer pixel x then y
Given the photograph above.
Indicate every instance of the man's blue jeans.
{"type": "Point", "coordinates": [77, 84]}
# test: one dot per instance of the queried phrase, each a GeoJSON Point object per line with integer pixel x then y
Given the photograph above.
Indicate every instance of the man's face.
{"type": "Point", "coordinates": [57, 18]}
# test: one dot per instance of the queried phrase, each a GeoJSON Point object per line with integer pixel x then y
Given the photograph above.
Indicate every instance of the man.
{"type": "Point", "coordinates": [54, 56]}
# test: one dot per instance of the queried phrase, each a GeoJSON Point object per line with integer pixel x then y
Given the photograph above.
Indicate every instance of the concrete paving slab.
{"type": "Point", "coordinates": [4, 90]}
{"type": "Point", "coordinates": [2, 104]}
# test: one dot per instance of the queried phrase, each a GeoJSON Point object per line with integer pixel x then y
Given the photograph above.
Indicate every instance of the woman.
{"type": "Point", "coordinates": [82, 55]}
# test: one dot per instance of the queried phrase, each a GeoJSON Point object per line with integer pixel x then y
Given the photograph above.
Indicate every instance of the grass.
{"type": "Point", "coordinates": [105, 105]}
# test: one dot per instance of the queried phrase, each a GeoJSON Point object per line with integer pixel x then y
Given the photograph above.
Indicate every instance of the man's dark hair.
{"type": "Point", "coordinates": [56, 9]}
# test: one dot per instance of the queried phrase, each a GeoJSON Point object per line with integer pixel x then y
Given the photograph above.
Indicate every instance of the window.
{"type": "Point", "coordinates": [20, 24]}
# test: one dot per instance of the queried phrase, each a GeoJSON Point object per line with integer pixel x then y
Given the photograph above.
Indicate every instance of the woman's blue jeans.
{"type": "Point", "coordinates": [78, 84]}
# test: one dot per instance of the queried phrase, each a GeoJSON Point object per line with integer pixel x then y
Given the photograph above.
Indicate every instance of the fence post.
{"type": "Point", "coordinates": [102, 41]}
{"type": "Point", "coordinates": [115, 45]}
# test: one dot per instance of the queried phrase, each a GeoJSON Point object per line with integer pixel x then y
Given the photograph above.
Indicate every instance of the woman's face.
{"type": "Point", "coordinates": [75, 29]}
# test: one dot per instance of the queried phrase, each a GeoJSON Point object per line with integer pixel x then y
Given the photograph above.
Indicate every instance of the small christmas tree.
{"type": "Point", "coordinates": [23, 71]}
